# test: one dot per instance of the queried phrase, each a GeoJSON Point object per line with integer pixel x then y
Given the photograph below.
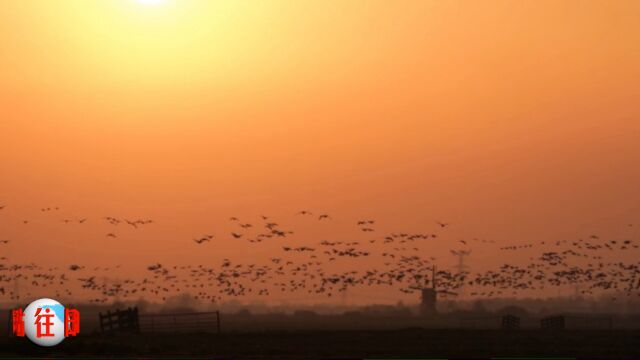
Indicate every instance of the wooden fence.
{"type": "Point", "coordinates": [120, 321]}
{"type": "Point", "coordinates": [510, 322]}
{"type": "Point", "coordinates": [582, 322]}
{"type": "Point", "coordinates": [130, 320]}
{"type": "Point", "coordinates": [506, 322]}
{"type": "Point", "coordinates": [185, 322]}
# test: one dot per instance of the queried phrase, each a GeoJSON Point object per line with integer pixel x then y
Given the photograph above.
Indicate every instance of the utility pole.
{"type": "Point", "coordinates": [461, 254]}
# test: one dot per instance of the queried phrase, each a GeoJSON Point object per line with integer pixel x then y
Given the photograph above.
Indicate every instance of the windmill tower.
{"type": "Point", "coordinates": [429, 297]}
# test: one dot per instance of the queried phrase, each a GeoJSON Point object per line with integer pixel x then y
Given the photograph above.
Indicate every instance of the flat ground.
{"type": "Point", "coordinates": [409, 343]}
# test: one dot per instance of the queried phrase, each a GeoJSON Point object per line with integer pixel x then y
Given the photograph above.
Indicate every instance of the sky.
{"type": "Point", "coordinates": [512, 120]}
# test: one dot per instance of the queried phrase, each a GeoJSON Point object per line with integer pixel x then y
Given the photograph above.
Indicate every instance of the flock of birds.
{"type": "Point", "coordinates": [593, 264]}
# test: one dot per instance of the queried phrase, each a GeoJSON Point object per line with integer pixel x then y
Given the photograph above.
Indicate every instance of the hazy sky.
{"type": "Point", "coordinates": [513, 120]}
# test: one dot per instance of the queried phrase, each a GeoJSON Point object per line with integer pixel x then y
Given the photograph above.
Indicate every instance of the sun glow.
{"type": "Point", "coordinates": [151, 2]}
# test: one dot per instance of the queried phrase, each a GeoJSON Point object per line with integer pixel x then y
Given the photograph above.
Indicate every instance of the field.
{"type": "Point", "coordinates": [408, 343]}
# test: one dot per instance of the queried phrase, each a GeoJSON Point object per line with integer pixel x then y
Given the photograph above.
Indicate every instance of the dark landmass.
{"type": "Point", "coordinates": [407, 343]}
{"type": "Point", "coordinates": [374, 331]}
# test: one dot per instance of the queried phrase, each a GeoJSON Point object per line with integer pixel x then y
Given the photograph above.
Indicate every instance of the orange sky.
{"type": "Point", "coordinates": [512, 120]}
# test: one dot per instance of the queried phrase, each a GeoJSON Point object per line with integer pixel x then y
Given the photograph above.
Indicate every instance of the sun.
{"type": "Point", "coordinates": [151, 2]}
